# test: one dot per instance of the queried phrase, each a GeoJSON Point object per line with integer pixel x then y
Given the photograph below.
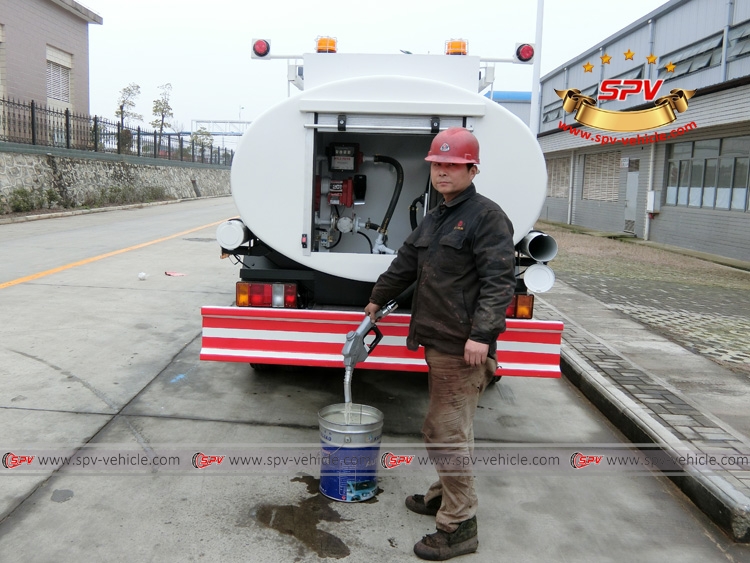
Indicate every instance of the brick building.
{"type": "Point", "coordinates": [44, 52]}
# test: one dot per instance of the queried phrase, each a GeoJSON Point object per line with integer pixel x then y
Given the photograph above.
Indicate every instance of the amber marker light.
{"type": "Point", "coordinates": [456, 47]}
{"type": "Point", "coordinates": [524, 306]}
{"type": "Point", "coordinates": [326, 44]}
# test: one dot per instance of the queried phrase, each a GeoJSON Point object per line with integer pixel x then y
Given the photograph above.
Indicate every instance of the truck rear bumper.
{"type": "Point", "coordinates": [305, 337]}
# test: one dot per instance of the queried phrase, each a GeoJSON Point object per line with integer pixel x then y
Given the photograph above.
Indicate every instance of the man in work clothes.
{"type": "Point", "coordinates": [462, 259]}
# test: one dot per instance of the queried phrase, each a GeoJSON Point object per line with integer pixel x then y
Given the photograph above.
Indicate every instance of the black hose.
{"type": "Point", "coordinates": [396, 192]}
{"type": "Point", "coordinates": [338, 240]}
{"type": "Point", "coordinates": [421, 199]}
{"type": "Point", "coordinates": [413, 211]}
{"type": "Point", "coordinates": [368, 239]}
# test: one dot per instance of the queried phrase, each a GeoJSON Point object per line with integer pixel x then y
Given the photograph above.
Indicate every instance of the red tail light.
{"type": "Point", "coordinates": [261, 294]}
{"type": "Point", "coordinates": [290, 295]}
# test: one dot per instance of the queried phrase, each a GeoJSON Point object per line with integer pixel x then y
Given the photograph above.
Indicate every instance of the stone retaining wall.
{"type": "Point", "coordinates": [35, 179]}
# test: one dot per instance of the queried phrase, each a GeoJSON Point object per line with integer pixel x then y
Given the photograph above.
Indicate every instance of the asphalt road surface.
{"type": "Point", "coordinates": [97, 364]}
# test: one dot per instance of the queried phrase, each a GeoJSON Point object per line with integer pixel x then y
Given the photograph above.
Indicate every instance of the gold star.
{"type": "Point", "coordinates": [629, 55]}
{"type": "Point", "coordinates": [588, 67]}
{"type": "Point", "coordinates": [670, 67]}
{"type": "Point", "coordinates": [651, 59]}
{"type": "Point", "coordinates": [605, 59]}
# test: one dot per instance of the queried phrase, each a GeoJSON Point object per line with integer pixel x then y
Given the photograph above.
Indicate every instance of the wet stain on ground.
{"type": "Point", "coordinates": [301, 521]}
{"type": "Point", "coordinates": [61, 495]}
{"type": "Point", "coordinates": [313, 484]}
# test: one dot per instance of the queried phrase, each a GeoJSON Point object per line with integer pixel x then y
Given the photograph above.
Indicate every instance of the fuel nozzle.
{"type": "Point", "coordinates": [356, 349]}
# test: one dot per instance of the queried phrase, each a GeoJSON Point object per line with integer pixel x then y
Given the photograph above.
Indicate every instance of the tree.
{"type": "Point", "coordinates": [162, 111]}
{"type": "Point", "coordinates": [201, 139]}
{"type": "Point", "coordinates": [126, 103]}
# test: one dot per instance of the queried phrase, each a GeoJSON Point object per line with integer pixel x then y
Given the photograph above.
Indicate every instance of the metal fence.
{"type": "Point", "coordinates": [34, 124]}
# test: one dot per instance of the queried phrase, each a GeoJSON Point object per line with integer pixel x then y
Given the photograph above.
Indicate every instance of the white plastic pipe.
{"type": "Point", "coordinates": [539, 246]}
{"type": "Point", "coordinates": [232, 234]}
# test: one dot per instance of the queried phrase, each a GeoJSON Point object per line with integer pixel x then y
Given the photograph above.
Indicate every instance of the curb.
{"type": "Point", "coordinates": [72, 212]}
{"type": "Point", "coordinates": [727, 507]}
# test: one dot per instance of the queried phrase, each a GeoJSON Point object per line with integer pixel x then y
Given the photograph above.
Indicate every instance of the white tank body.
{"type": "Point", "coordinates": [283, 153]}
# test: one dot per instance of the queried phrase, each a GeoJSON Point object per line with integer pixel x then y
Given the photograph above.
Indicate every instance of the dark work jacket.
{"type": "Point", "coordinates": [462, 258]}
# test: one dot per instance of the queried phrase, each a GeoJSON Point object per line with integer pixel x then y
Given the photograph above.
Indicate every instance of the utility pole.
{"type": "Point", "coordinates": [536, 95]}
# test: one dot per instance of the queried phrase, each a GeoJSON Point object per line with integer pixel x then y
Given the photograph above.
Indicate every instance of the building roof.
{"type": "Point", "coordinates": [79, 10]}
{"type": "Point", "coordinates": [658, 12]}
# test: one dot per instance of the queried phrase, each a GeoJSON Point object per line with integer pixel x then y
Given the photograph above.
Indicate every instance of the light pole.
{"type": "Point", "coordinates": [241, 108]}
{"type": "Point", "coordinates": [536, 95]}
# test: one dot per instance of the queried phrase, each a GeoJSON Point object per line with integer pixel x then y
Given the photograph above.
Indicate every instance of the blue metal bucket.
{"type": "Point", "coordinates": [350, 452]}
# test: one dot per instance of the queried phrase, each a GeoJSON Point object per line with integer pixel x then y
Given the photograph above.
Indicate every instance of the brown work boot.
{"type": "Point", "coordinates": [416, 503]}
{"type": "Point", "coordinates": [443, 545]}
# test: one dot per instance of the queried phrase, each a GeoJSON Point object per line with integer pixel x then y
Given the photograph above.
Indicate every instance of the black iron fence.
{"type": "Point", "coordinates": [34, 124]}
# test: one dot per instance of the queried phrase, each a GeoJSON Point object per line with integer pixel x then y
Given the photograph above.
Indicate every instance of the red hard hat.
{"type": "Point", "coordinates": [456, 144]}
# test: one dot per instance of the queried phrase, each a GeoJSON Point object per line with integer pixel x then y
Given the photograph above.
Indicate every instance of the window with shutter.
{"type": "Point", "coordinates": [601, 176]}
{"type": "Point", "coordinates": [558, 177]}
{"type": "Point", "coordinates": [58, 82]}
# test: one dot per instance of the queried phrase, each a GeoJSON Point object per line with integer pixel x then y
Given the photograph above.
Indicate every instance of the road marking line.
{"type": "Point", "coordinates": [101, 257]}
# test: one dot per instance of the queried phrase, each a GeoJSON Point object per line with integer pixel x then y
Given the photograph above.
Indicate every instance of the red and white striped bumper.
{"type": "Point", "coordinates": [307, 337]}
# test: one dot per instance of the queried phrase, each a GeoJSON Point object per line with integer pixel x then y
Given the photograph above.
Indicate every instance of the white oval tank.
{"type": "Point", "coordinates": [274, 169]}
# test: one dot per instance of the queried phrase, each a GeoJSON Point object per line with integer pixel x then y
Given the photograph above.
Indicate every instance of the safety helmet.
{"type": "Point", "coordinates": [455, 144]}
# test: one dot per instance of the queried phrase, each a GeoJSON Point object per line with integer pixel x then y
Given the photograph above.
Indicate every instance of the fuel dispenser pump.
{"type": "Point", "coordinates": [344, 188]}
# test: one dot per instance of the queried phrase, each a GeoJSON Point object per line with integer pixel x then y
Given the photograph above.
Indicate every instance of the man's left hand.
{"type": "Point", "coordinates": [475, 353]}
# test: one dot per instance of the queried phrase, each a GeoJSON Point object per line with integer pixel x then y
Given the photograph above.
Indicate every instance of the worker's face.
{"type": "Point", "coordinates": [450, 179]}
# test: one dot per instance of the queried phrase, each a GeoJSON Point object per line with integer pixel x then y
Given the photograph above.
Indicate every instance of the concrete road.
{"type": "Point", "coordinates": [95, 362]}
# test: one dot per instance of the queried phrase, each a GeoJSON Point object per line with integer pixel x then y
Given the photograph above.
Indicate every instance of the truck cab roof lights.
{"type": "Point", "coordinates": [456, 47]}
{"type": "Point", "coordinates": [326, 44]}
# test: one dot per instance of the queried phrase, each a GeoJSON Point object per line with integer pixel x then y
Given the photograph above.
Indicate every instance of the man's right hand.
{"type": "Point", "coordinates": [371, 309]}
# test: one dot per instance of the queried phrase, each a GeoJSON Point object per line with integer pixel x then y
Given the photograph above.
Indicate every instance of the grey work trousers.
{"type": "Point", "coordinates": [448, 432]}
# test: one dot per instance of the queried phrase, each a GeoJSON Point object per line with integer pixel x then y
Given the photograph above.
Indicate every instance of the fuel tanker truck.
{"type": "Point", "coordinates": [331, 181]}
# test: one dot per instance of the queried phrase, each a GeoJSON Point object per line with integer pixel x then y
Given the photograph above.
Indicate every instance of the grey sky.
{"type": "Point", "coordinates": [203, 48]}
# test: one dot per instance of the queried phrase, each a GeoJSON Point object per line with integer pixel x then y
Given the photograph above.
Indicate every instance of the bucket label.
{"type": "Point", "coordinates": [349, 474]}
{"type": "Point", "coordinates": [350, 447]}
